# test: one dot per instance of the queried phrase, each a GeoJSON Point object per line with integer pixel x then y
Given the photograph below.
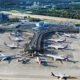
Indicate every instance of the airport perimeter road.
{"type": "Point", "coordinates": [65, 20]}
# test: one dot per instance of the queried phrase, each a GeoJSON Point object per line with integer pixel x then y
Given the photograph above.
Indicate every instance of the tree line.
{"type": "Point", "coordinates": [66, 13]}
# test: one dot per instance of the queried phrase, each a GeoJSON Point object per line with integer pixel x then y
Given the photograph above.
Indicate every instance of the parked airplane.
{"type": "Point", "coordinates": [70, 36]}
{"type": "Point", "coordinates": [16, 39]}
{"type": "Point", "coordinates": [28, 34]}
{"type": "Point", "coordinates": [23, 21]}
{"type": "Point", "coordinates": [58, 46]}
{"type": "Point", "coordinates": [23, 60]}
{"type": "Point", "coordinates": [7, 57]}
{"type": "Point", "coordinates": [12, 46]}
{"type": "Point", "coordinates": [58, 40]}
{"type": "Point", "coordinates": [62, 76]}
{"type": "Point", "coordinates": [57, 57]}
{"type": "Point", "coordinates": [17, 34]}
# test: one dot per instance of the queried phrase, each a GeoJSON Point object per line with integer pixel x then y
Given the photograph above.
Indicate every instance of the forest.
{"type": "Point", "coordinates": [66, 13]}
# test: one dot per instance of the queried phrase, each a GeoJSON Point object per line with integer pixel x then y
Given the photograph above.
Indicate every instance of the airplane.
{"type": "Point", "coordinates": [7, 57]}
{"type": "Point", "coordinates": [62, 76]}
{"type": "Point", "coordinates": [57, 46]}
{"type": "Point", "coordinates": [23, 60]}
{"type": "Point", "coordinates": [16, 34]}
{"type": "Point", "coordinates": [58, 57]}
{"type": "Point", "coordinates": [59, 33]}
{"type": "Point", "coordinates": [58, 40]}
{"type": "Point", "coordinates": [16, 39]}
{"type": "Point", "coordinates": [28, 34]}
{"type": "Point", "coordinates": [12, 46]}
{"type": "Point", "coordinates": [23, 21]}
{"type": "Point", "coordinates": [70, 36]}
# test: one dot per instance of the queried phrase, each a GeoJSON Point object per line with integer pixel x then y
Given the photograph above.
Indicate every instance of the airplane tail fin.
{"type": "Point", "coordinates": [52, 74]}
{"type": "Point", "coordinates": [5, 44]}
{"type": "Point", "coordinates": [38, 60]}
{"type": "Point", "coordinates": [66, 58]}
{"type": "Point", "coordinates": [64, 40]}
{"type": "Point", "coordinates": [66, 46]}
{"type": "Point", "coordinates": [9, 38]}
{"type": "Point", "coordinates": [54, 59]}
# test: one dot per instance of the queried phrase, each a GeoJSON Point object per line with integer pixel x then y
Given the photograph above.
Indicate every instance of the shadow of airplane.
{"type": "Point", "coordinates": [47, 65]}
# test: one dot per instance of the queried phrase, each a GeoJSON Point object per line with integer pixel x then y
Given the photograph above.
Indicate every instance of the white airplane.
{"type": "Point", "coordinates": [62, 76]}
{"type": "Point", "coordinates": [7, 57]}
{"type": "Point", "coordinates": [23, 21]}
{"type": "Point", "coordinates": [16, 34]}
{"type": "Point", "coordinates": [58, 40]}
{"type": "Point", "coordinates": [58, 46]}
{"type": "Point", "coordinates": [70, 36]}
{"type": "Point", "coordinates": [57, 57]}
{"type": "Point", "coordinates": [24, 60]}
{"type": "Point", "coordinates": [12, 46]}
{"type": "Point", "coordinates": [16, 39]}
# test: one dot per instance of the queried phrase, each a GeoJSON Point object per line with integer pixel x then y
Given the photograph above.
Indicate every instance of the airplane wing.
{"type": "Point", "coordinates": [58, 40]}
{"type": "Point", "coordinates": [8, 45]}
{"type": "Point", "coordinates": [57, 77]}
{"type": "Point", "coordinates": [3, 59]}
{"type": "Point", "coordinates": [5, 44]}
{"type": "Point", "coordinates": [60, 78]}
{"type": "Point", "coordinates": [61, 61]}
{"type": "Point", "coordinates": [55, 46]}
{"type": "Point", "coordinates": [9, 61]}
{"type": "Point", "coordinates": [2, 54]}
{"type": "Point", "coordinates": [55, 40]}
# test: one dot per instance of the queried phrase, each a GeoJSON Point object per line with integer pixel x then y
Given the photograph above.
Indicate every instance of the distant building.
{"type": "Point", "coordinates": [36, 3]}
{"type": "Point", "coordinates": [48, 6]}
{"type": "Point", "coordinates": [77, 26]}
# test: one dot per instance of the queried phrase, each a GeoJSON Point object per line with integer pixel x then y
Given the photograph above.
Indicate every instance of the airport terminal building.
{"type": "Point", "coordinates": [3, 17]}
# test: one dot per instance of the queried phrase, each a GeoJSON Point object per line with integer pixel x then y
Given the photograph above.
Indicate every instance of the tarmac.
{"type": "Point", "coordinates": [33, 71]}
